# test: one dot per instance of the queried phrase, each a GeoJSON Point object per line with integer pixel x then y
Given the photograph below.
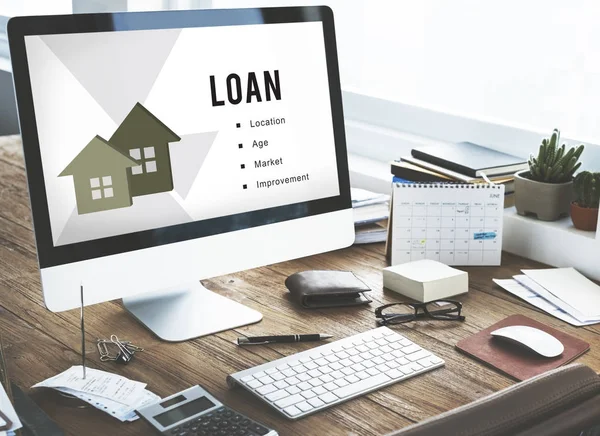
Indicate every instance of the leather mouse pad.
{"type": "Point", "coordinates": [514, 360]}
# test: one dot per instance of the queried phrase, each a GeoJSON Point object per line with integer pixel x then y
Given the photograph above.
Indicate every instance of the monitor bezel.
{"type": "Point", "coordinates": [50, 255]}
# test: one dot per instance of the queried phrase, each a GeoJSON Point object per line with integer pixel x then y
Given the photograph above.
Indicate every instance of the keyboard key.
{"type": "Point", "coordinates": [342, 355]}
{"type": "Point", "coordinates": [386, 349]}
{"type": "Point", "coordinates": [337, 374]}
{"type": "Point", "coordinates": [378, 360]}
{"type": "Point", "coordinates": [311, 365]}
{"type": "Point", "coordinates": [402, 361]}
{"type": "Point", "coordinates": [332, 358]}
{"type": "Point", "coordinates": [337, 348]}
{"type": "Point", "coordinates": [347, 346]}
{"type": "Point", "coordinates": [277, 395]}
{"type": "Point", "coordinates": [387, 357]}
{"type": "Point", "coordinates": [292, 364]}
{"type": "Point", "coordinates": [405, 342]}
{"type": "Point", "coordinates": [264, 390]}
{"type": "Point", "coordinates": [315, 402]}
{"type": "Point", "coordinates": [395, 345]}
{"type": "Point", "coordinates": [348, 370]}
{"type": "Point", "coordinates": [426, 363]}
{"type": "Point", "coordinates": [435, 360]}
{"type": "Point", "coordinates": [315, 356]}
{"type": "Point", "coordinates": [292, 411]}
{"type": "Point", "coordinates": [381, 342]}
{"type": "Point", "coordinates": [326, 352]}
{"type": "Point", "coordinates": [326, 378]}
{"type": "Point", "coordinates": [308, 394]}
{"type": "Point", "coordinates": [304, 406]}
{"type": "Point", "coordinates": [383, 367]}
{"type": "Point", "coordinates": [328, 398]}
{"type": "Point", "coordinates": [288, 401]}
{"type": "Point", "coordinates": [377, 334]}
{"type": "Point", "coordinates": [277, 376]}
{"type": "Point", "coordinates": [372, 371]}
{"type": "Point", "coordinates": [356, 359]}
{"type": "Point", "coordinates": [341, 383]}
{"type": "Point", "coordinates": [397, 353]}
{"type": "Point", "coordinates": [300, 369]}
{"type": "Point", "coordinates": [281, 384]}
{"type": "Point", "coordinates": [315, 382]}
{"type": "Point", "coordinates": [392, 364]}
{"type": "Point", "coordinates": [247, 378]}
{"type": "Point", "coordinates": [358, 341]}
{"type": "Point", "coordinates": [266, 380]}
{"type": "Point", "coordinates": [288, 372]}
{"type": "Point", "coordinates": [352, 379]}
{"type": "Point", "coordinates": [346, 362]}
{"type": "Point", "coordinates": [292, 380]}
{"type": "Point", "coordinates": [319, 390]}
{"type": "Point", "coordinates": [315, 373]}
{"type": "Point", "coordinates": [336, 366]}
{"type": "Point", "coordinates": [325, 369]}
{"type": "Point", "coordinates": [304, 386]}
{"type": "Point", "coordinates": [305, 359]}
{"type": "Point", "coordinates": [362, 385]}
{"type": "Point", "coordinates": [330, 386]}
{"type": "Point", "coordinates": [259, 374]}
{"type": "Point", "coordinates": [415, 366]}
{"type": "Point", "coordinates": [358, 367]}
{"type": "Point", "coordinates": [376, 352]}
{"type": "Point", "coordinates": [417, 356]}
{"type": "Point", "coordinates": [321, 362]}
{"type": "Point", "coordinates": [254, 384]}
{"type": "Point", "coordinates": [281, 367]}
{"type": "Point", "coordinates": [304, 376]}
{"type": "Point", "coordinates": [387, 332]}
{"type": "Point", "coordinates": [368, 364]}
{"type": "Point", "coordinates": [352, 351]}
{"type": "Point", "coordinates": [406, 369]}
{"type": "Point", "coordinates": [362, 348]}
{"type": "Point", "coordinates": [411, 349]}
{"type": "Point", "coordinates": [362, 375]}
{"type": "Point", "coordinates": [271, 371]}
{"type": "Point", "coordinates": [394, 373]}
{"type": "Point", "coordinates": [367, 355]}
{"type": "Point", "coordinates": [293, 390]}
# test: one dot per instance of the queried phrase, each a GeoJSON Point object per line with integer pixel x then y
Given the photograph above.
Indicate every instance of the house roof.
{"type": "Point", "coordinates": [141, 128]}
{"type": "Point", "coordinates": [98, 154]}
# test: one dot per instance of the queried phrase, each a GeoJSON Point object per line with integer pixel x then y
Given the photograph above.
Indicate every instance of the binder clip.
{"type": "Point", "coordinates": [123, 354]}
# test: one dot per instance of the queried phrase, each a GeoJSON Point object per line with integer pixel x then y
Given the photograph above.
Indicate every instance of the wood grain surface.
{"type": "Point", "coordinates": [40, 344]}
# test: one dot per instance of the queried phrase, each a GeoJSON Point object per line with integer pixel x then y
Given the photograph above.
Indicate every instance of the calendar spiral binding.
{"type": "Point", "coordinates": [448, 185]}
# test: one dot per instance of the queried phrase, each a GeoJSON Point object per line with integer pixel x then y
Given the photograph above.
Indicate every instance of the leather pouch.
{"type": "Point", "coordinates": [316, 289]}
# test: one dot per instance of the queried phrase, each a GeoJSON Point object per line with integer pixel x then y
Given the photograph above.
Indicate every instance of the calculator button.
{"type": "Point", "coordinates": [245, 422]}
{"type": "Point", "coordinates": [175, 430]}
{"type": "Point", "coordinates": [258, 429]}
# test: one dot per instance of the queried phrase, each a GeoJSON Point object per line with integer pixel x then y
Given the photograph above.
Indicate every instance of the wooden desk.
{"type": "Point", "coordinates": [40, 344]}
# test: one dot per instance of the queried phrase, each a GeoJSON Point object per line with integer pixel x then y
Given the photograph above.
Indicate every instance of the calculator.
{"type": "Point", "coordinates": [195, 412]}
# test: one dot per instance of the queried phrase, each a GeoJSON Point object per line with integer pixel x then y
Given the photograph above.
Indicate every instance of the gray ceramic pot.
{"type": "Point", "coordinates": [547, 201]}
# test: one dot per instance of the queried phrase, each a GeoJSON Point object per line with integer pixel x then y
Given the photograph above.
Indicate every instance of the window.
{"type": "Point", "coordinates": [147, 161]}
{"type": "Point", "coordinates": [101, 187]}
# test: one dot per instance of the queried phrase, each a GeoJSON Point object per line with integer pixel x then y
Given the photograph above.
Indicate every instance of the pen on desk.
{"type": "Point", "coordinates": [82, 333]}
{"type": "Point", "coordinates": [258, 340]}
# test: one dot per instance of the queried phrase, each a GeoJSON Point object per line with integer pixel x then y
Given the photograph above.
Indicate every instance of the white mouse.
{"type": "Point", "coordinates": [534, 339]}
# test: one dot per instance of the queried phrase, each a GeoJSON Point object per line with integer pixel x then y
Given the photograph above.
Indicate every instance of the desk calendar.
{"type": "Point", "coordinates": [456, 224]}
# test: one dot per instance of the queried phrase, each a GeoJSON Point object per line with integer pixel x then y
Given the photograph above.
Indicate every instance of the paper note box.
{"type": "Point", "coordinates": [425, 280]}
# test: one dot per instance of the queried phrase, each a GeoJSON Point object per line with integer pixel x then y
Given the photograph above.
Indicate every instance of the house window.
{"type": "Point", "coordinates": [101, 187]}
{"type": "Point", "coordinates": [147, 159]}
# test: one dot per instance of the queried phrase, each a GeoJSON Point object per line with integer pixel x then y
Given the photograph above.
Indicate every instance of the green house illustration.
{"type": "Point", "coordinates": [100, 176]}
{"type": "Point", "coordinates": [146, 139]}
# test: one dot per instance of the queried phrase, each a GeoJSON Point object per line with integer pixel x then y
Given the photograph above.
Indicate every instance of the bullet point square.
{"type": "Point", "coordinates": [240, 146]}
{"type": "Point", "coordinates": [242, 166]}
{"type": "Point", "coordinates": [245, 186]}
{"type": "Point", "coordinates": [238, 125]}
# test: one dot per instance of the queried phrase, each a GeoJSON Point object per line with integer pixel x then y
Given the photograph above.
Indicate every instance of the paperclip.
{"type": "Point", "coordinates": [124, 355]}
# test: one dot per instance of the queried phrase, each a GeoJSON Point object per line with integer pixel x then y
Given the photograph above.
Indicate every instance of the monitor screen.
{"type": "Point", "coordinates": [147, 129]}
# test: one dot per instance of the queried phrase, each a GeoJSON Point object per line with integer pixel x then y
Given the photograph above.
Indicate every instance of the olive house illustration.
{"type": "Point", "coordinates": [134, 161]}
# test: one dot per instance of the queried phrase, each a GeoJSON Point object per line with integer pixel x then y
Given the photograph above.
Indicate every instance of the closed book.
{"type": "Point", "coordinates": [371, 214]}
{"type": "Point", "coordinates": [425, 280]}
{"type": "Point", "coordinates": [470, 159]}
{"type": "Point", "coordinates": [415, 173]}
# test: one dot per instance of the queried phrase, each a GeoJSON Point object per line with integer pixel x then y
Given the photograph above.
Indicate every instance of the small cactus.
{"type": "Point", "coordinates": [587, 189]}
{"type": "Point", "coordinates": [553, 165]}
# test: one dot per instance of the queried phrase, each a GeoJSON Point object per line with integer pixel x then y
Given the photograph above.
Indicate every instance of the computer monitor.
{"type": "Point", "coordinates": [167, 147]}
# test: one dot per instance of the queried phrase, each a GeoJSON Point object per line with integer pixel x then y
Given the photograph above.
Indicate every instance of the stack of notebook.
{"type": "Point", "coordinates": [371, 212]}
{"type": "Point", "coordinates": [463, 162]}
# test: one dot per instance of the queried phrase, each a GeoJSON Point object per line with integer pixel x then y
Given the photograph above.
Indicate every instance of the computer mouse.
{"type": "Point", "coordinates": [531, 338]}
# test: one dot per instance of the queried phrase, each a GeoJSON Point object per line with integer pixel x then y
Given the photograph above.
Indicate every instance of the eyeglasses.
{"type": "Point", "coordinates": [400, 313]}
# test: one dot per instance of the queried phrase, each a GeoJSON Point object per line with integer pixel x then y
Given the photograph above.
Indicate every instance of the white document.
{"type": "Point", "coordinates": [571, 287]}
{"type": "Point", "coordinates": [100, 383]}
{"type": "Point", "coordinates": [8, 409]}
{"type": "Point", "coordinates": [519, 290]}
{"type": "Point", "coordinates": [120, 411]}
{"type": "Point", "coordinates": [542, 292]}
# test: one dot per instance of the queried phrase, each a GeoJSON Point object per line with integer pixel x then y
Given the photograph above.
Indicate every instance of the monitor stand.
{"type": "Point", "coordinates": [187, 312]}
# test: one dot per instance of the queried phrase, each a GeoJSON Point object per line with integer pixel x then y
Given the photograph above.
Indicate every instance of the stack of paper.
{"type": "Point", "coordinates": [561, 292]}
{"type": "Point", "coordinates": [371, 210]}
{"type": "Point", "coordinates": [111, 393]}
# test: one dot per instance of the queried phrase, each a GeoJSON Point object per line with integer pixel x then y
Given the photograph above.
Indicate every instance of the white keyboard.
{"type": "Point", "coordinates": [321, 377]}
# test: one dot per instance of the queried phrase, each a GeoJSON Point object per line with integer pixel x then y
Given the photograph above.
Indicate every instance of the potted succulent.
{"type": "Point", "coordinates": [546, 188]}
{"type": "Point", "coordinates": [584, 210]}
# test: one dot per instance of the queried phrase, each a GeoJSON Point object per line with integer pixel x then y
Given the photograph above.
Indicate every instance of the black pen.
{"type": "Point", "coordinates": [258, 340]}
